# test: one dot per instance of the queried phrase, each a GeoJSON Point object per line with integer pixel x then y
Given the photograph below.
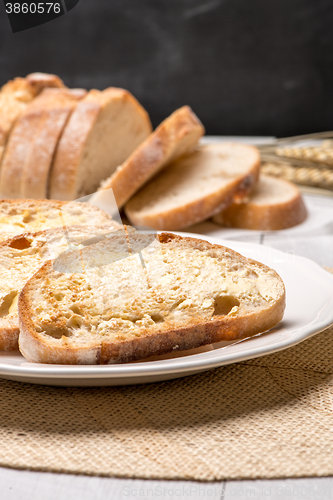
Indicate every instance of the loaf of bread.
{"type": "Point", "coordinates": [64, 144]}
{"type": "Point", "coordinates": [176, 136]}
{"type": "Point", "coordinates": [21, 216]}
{"type": "Point", "coordinates": [92, 307]}
{"type": "Point", "coordinates": [33, 141]}
{"type": "Point", "coordinates": [274, 204]}
{"type": "Point", "coordinates": [101, 133]}
{"type": "Point", "coordinates": [16, 95]}
{"type": "Point", "coordinates": [22, 255]}
{"type": "Point", "coordinates": [196, 187]}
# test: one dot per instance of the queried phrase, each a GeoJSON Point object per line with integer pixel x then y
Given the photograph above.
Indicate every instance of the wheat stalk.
{"type": "Point", "coordinates": [312, 157]}
{"type": "Point", "coordinates": [322, 178]}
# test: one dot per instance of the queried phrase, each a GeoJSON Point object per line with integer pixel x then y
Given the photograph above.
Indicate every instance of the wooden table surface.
{"type": "Point", "coordinates": [316, 244]}
{"type": "Point", "coordinates": [25, 485]}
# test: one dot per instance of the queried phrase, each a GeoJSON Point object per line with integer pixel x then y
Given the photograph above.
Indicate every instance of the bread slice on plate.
{"type": "Point", "coordinates": [32, 144]}
{"type": "Point", "coordinates": [175, 136]}
{"type": "Point", "coordinates": [15, 95]}
{"type": "Point", "coordinates": [176, 294]}
{"type": "Point", "coordinates": [21, 216]}
{"type": "Point", "coordinates": [273, 204]}
{"type": "Point", "coordinates": [101, 133]}
{"type": "Point", "coordinates": [22, 255]}
{"type": "Point", "coordinates": [196, 187]}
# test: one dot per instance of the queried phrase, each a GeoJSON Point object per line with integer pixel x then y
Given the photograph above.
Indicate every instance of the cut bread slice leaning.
{"type": "Point", "coordinates": [175, 136]}
{"type": "Point", "coordinates": [101, 133]}
{"type": "Point", "coordinates": [23, 255]}
{"type": "Point", "coordinates": [196, 187]}
{"type": "Point", "coordinates": [22, 216]}
{"type": "Point", "coordinates": [32, 144]}
{"type": "Point", "coordinates": [15, 95]}
{"type": "Point", "coordinates": [179, 293]}
{"type": "Point", "coordinates": [274, 204]}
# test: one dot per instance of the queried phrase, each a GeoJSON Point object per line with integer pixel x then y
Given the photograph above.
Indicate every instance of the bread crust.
{"type": "Point", "coordinates": [33, 141]}
{"type": "Point", "coordinates": [269, 216]}
{"type": "Point", "coordinates": [36, 348]}
{"type": "Point", "coordinates": [39, 81]}
{"type": "Point", "coordinates": [198, 209]}
{"type": "Point", "coordinates": [64, 168]}
{"type": "Point", "coordinates": [55, 114]}
{"type": "Point", "coordinates": [9, 334]}
{"type": "Point", "coordinates": [175, 136]}
{"type": "Point", "coordinates": [15, 95]}
{"type": "Point", "coordinates": [66, 164]}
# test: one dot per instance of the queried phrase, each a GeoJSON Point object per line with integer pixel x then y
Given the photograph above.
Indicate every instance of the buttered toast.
{"type": "Point", "coordinates": [94, 307]}
{"type": "Point", "coordinates": [22, 255]}
{"type": "Point", "coordinates": [21, 216]}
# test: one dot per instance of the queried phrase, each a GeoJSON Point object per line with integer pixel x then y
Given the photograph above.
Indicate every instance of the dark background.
{"type": "Point", "coordinates": [247, 67]}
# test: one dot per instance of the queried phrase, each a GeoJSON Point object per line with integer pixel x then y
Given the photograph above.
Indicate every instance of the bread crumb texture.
{"type": "Point", "coordinates": [23, 255]}
{"type": "Point", "coordinates": [21, 216]}
{"type": "Point", "coordinates": [107, 292]}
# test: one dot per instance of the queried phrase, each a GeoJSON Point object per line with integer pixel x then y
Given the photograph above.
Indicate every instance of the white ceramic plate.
{"type": "Point", "coordinates": [309, 310]}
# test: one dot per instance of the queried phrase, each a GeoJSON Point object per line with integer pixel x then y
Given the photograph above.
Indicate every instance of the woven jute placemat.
{"type": "Point", "coordinates": [264, 418]}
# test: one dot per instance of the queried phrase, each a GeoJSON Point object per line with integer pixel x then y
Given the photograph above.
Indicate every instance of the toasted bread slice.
{"type": "Point", "coordinates": [16, 95]}
{"type": "Point", "coordinates": [273, 204]}
{"type": "Point", "coordinates": [175, 136]}
{"type": "Point", "coordinates": [22, 256]}
{"type": "Point", "coordinates": [32, 144]}
{"type": "Point", "coordinates": [196, 187]}
{"type": "Point", "coordinates": [101, 133]}
{"type": "Point", "coordinates": [178, 293]}
{"type": "Point", "coordinates": [21, 216]}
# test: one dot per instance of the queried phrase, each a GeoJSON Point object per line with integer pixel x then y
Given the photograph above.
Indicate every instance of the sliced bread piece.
{"type": "Point", "coordinates": [59, 104]}
{"type": "Point", "coordinates": [16, 95]}
{"type": "Point", "coordinates": [22, 256]}
{"type": "Point", "coordinates": [101, 133]}
{"type": "Point", "coordinates": [175, 136]}
{"type": "Point", "coordinates": [273, 204]}
{"type": "Point", "coordinates": [21, 216]}
{"type": "Point", "coordinates": [196, 187]}
{"type": "Point", "coordinates": [187, 294]}
{"type": "Point", "coordinates": [32, 144]}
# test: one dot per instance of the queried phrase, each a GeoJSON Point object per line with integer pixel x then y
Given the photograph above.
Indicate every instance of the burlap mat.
{"type": "Point", "coordinates": [269, 417]}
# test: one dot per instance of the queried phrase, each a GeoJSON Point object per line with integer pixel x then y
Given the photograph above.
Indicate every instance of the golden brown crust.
{"type": "Point", "coordinates": [17, 147]}
{"type": "Point", "coordinates": [30, 86]}
{"type": "Point", "coordinates": [67, 157]}
{"type": "Point", "coordinates": [9, 334]}
{"type": "Point", "coordinates": [54, 116]}
{"type": "Point", "coordinates": [65, 168]}
{"type": "Point", "coordinates": [267, 217]}
{"type": "Point", "coordinates": [15, 95]}
{"type": "Point", "coordinates": [32, 143]}
{"type": "Point", "coordinates": [36, 349]}
{"type": "Point", "coordinates": [40, 81]}
{"type": "Point", "coordinates": [176, 135]}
